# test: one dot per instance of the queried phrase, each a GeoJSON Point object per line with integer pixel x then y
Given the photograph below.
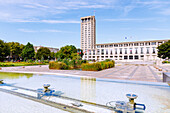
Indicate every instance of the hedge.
{"type": "Point", "coordinates": [166, 62]}
{"type": "Point", "coordinates": [57, 65]}
{"type": "Point", "coordinates": [97, 66]}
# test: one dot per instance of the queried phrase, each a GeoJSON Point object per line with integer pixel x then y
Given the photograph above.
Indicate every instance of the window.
{"type": "Point", "coordinates": [102, 46]}
{"type": "Point", "coordinates": [89, 52]}
{"type": "Point", "coordinates": [106, 51]}
{"type": "Point", "coordinates": [116, 45]}
{"type": "Point", "coordinates": [125, 57]}
{"type": "Point", "coordinates": [111, 45]}
{"type": "Point", "coordinates": [136, 50]}
{"type": "Point", "coordinates": [102, 51]}
{"type": "Point", "coordinates": [98, 51]}
{"type": "Point", "coordinates": [147, 43]}
{"type": "Point", "coordinates": [106, 45]}
{"type": "Point", "coordinates": [136, 57]}
{"type": "Point", "coordinates": [111, 51]}
{"type": "Point", "coordinates": [93, 52]}
{"type": "Point", "coordinates": [153, 43]}
{"type": "Point", "coordinates": [147, 50]}
{"type": "Point", "coordinates": [130, 57]}
{"type": "Point", "coordinates": [125, 50]}
{"type": "Point", "coordinates": [135, 44]}
{"type": "Point", "coordinates": [115, 51]}
{"type": "Point", "coordinates": [130, 50]}
{"type": "Point", "coordinates": [154, 50]}
{"type": "Point", "coordinates": [131, 44]}
{"type": "Point", "coordinates": [125, 45]}
{"type": "Point", "coordinates": [120, 50]}
{"type": "Point", "coordinates": [120, 57]}
{"type": "Point", "coordinates": [141, 50]}
{"type": "Point", "coordinates": [120, 45]}
{"type": "Point", "coordinates": [141, 44]}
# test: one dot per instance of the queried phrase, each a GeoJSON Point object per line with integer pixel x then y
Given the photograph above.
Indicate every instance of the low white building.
{"type": "Point", "coordinates": [55, 50]}
{"type": "Point", "coordinates": [125, 51]}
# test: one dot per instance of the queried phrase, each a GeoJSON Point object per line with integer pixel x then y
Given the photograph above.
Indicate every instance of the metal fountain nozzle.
{"type": "Point", "coordinates": [131, 97]}
{"type": "Point", "coordinates": [1, 81]}
{"type": "Point", "coordinates": [46, 86]}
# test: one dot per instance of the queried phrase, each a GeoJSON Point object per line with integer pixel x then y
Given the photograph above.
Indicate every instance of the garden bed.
{"type": "Point", "coordinates": [84, 66]}
{"type": "Point", "coordinates": [12, 64]}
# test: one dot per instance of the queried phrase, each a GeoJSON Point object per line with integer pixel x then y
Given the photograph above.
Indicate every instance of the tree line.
{"type": "Point", "coordinates": [14, 51]}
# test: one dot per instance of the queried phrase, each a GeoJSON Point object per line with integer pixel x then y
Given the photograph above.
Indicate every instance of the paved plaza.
{"type": "Point", "coordinates": [123, 72]}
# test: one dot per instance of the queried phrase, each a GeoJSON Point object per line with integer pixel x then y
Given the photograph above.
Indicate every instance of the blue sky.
{"type": "Point", "coordinates": [56, 23]}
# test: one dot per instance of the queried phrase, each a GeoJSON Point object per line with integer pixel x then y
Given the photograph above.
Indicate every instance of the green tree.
{"type": "Point", "coordinates": [52, 55]}
{"type": "Point", "coordinates": [80, 52]}
{"type": "Point", "coordinates": [75, 56]}
{"type": "Point", "coordinates": [66, 51]}
{"type": "Point", "coordinates": [15, 49]}
{"type": "Point", "coordinates": [43, 53]}
{"type": "Point", "coordinates": [164, 50]}
{"type": "Point", "coordinates": [28, 52]}
{"type": "Point", "coordinates": [4, 50]}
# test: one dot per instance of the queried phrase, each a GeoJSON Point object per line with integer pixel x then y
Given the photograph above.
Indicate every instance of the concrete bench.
{"type": "Point", "coordinates": [166, 78]}
{"type": "Point", "coordinates": [1, 81]}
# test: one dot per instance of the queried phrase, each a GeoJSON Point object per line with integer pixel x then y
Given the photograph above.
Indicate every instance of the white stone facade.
{"type": "Point", "coordinates": [88, 33]}
{"type": "Point", "coordinates": [125, 51]}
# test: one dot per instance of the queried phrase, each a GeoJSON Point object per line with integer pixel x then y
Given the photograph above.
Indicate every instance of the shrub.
{"type": "Point", "coordinates": [91, 66]}
{"type": "Point", "coordinates": [84, 61]}
{"type": "Point", "coordinates": [166, 62]}
{"type": "Point", "coordinates": [97, 66]}
{"type": "Point", "coordinates": [72, 64]}
{"type": "Point", "coordinates": [66, 61]}
{"type": "Point", "coordinates": [57, 65]}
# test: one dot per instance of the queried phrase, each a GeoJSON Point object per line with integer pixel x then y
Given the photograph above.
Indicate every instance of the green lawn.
{"type": "Point", "coordinates": [11, 64]}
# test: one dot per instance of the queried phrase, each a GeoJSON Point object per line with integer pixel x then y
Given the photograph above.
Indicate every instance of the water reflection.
{"type": "Point", "coordinates": [88, 89]}
{"type": "Point", "coordinates": [4, 75]}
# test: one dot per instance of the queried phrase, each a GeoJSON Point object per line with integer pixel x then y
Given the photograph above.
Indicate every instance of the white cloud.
{"type": "Point", "coordinates": [51, 30]}
{"type": "Point", "coordinates": [27, 31]}
{"type": "Point", "coordinates": [165, 11]}
{"type": "Point", "coordinates": [130, 19]}
{"type": "Point", "coordinates": [44, 30]}
{"type": "Point", "coordinates": [44, 21]}
{"type": "Point", "coordinates": [28, 9]}
{"type": "Point", "coordinates": [154, 2]}
{"type": "Point", "coordinates": [156, 29]}
{"type": "Point", "coordinates": [158, 6]}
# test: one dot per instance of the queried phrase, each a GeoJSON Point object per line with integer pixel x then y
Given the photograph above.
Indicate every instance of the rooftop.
{"type": "Point", "coordinates": [133, 42]}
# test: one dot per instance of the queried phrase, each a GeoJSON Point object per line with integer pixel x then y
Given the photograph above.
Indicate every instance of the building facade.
{"type": "Point", "coordinates": [123, 51]}
{"type": "Point", "coordinates": [55, 50]}
{"type": "Point", "coordinates": [88, 33]}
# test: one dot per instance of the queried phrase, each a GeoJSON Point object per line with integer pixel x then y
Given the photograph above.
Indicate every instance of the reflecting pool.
{"type": "Point", "coordinates": [156, 96]}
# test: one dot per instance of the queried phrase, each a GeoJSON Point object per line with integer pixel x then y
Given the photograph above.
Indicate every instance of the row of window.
{"type": "Point", "coordinates": [125, 45]}
{"type": "Point", "coordinates": [128, 57]}
{"type": "Point", "coordinates": [120, 57]}
{"type": "Point", "coordinates": [124, 51]}
{"type": "Point", "coordinates": [86, 20]}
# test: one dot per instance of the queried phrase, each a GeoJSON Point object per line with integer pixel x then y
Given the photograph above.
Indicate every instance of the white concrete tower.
{"type": "Point", "coordinates": [88, 33]}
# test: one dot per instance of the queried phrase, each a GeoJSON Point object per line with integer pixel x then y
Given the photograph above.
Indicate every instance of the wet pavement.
{"type": "Point", "coordinates": [123, 72]}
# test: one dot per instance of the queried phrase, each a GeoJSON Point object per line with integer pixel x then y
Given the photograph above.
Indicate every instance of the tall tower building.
{"type": "Point", "coordinates": [88, 33]}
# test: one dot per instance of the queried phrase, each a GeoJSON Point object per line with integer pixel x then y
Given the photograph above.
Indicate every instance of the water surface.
{"type": "Point", "coordinates": [155, 96]}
